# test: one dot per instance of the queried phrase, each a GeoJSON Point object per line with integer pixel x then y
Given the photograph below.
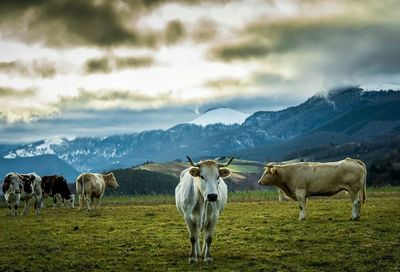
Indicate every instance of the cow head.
{"type": "Point", "coordinates": [71, 201]}
{"type": "Point", "coordinates": [208, 175]}
{"type": "Point", "coordinates": [47, 184]}
{"type": "Point", "coordinates": [12, 184]}
{"type": "Point", "coordinates": [270, 175]}
{"type": "Point", "coordinates": [110, 180]}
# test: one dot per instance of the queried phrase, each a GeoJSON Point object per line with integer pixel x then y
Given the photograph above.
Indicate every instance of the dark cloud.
{"type": "Point", "coordinates": [98, 65]}
{"type": "Point", "coordinates": [133, 62]}
{"type": "Point", "coordinates": [16, 93]}
{"type": "Point", "coordinates": [239, 51]}
{"type": "Point", "coordinates": [108, 64]}
{"type": "Point", "coordinates": [175, 31]}
{"type": "Point", "coordinates": [328, 51]}
{"type": "Point", "coordinates": [43, 69]}
{"type": "Point", "coordinates": [264, 78]}
{"type": "Point", "coordinates": [68, 23]}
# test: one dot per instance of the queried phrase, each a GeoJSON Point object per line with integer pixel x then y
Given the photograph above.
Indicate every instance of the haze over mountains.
{"type": "Point", "coordinates": [325, 126]}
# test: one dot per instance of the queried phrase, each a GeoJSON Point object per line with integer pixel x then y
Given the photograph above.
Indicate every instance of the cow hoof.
{"type": "Point", "coordinates": [355, 218]}
{"type": "Point", "coordinates": [192, 260]}
{"type": "Point", "coordinates": [208, 260]}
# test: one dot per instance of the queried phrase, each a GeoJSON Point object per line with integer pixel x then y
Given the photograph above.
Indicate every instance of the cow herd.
{"type": "Point", "coordinates": [28, 188]}
{"type": "Point", "coordinates": [201, 194]}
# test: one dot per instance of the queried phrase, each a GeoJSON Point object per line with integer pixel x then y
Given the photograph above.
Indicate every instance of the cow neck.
{"type": "Point", "coordinates": [284, 175]}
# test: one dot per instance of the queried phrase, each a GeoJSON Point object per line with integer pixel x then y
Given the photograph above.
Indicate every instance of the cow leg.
{"type": "Point", "coordinates": [81, 201]}
{"type": "Point", "coordinates": [26, 209]}
{"type": "Point", "coordinates": [194, 232]}
{"type": "Point", "coordinates": [355, 200]}
{"type": "Point", "coordinates": [96, 203]}
{"type": "Point", "coordinates": [301, 199]}
{"type": "Point", "coordinates": [38, 204]}
{"type": "Point", "coordinates": [10, 211]}
{"type": "Point", "coordinates": [54, 201]}
{"type": "Point", "coordinates": [87, 199]}
{"type": "Point", "coordinates": [62, 202]}
{"type": "Point", "coordinates": [17, 203]}
{"type": "Point", "coordinates": [208, 231]}
{"type": "Point", "coordinates": [15, 209]}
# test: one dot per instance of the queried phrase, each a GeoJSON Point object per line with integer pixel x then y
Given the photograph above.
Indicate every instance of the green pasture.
{"type": "Point", "coordinates": [254, 233]}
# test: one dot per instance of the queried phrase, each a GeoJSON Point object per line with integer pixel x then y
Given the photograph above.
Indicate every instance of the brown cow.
{"type": "Point", "coordinates": [305, 179]}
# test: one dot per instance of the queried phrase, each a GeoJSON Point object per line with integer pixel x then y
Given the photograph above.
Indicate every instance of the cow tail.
{"type": "Point", "coordinates": [364, 192]}
{"type": "Point", "coordinates": [364, 189]}
{"type": "Point", "coordinates": [81, 181]}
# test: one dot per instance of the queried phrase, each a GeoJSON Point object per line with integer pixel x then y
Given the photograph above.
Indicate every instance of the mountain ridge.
{"type": "Point", "coordinates": [261, 131]}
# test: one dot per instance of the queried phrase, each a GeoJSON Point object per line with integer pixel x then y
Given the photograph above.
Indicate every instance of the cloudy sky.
{"type": "Point", "coordinates": [98, 67]}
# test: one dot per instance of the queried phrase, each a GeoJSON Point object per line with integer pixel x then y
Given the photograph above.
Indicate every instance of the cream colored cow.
{"type": "Point", "coordinates": [91, 187]}
{"type": "Point", "coordinates": [201, 197]}
{"type": "Point", "coordinates": [304, 179]}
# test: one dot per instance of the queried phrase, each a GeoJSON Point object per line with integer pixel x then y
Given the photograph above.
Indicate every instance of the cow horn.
{"type": "Point", "coordinates": [192, 163]}
{"type": "Point", "coordinates": [225, 164]}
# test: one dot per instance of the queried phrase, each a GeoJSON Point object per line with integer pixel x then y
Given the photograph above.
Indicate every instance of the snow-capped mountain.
{"type": "Point", "coordinates": [225, 116]}
{"type": "Point", "coordinates": [225, 131]}
{"type": "Point", "coordinates": [44, 147]}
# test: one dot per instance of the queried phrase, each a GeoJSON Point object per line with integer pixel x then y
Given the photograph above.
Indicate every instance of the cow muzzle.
{"type": "Point", "coordinates": [212, 197]}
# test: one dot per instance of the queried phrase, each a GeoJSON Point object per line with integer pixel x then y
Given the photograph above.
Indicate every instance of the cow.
{"type": "Point", "coordinates": [12, 192]}
{"type": "Point", "coordinates": [201, 197]}
{"type": "Point", "coordinates": [57, 188]}
{"type": "Point", "coordinates": [31, 190]}
{"type": "Point", "coordinates": [23, 187]}
{"type": "Point", "coordinates": [91, 187]}
{"type": "Point", "coordinates": [304, 179]}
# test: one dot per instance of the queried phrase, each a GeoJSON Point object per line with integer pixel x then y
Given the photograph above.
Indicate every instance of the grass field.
{"type": "Point", "coordinates": [255, 233]}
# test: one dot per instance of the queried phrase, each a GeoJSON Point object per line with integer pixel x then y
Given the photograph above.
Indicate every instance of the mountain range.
{"type": "Point", "coordinates": [323, 123]}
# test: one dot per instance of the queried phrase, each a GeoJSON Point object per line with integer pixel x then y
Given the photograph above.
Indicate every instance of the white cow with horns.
{"type": "Point", "coordinates": [201, 196]}
{"type": "Point", "coordinates": [305, 179]}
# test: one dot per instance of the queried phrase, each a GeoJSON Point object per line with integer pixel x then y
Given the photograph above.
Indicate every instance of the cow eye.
{"type": "Point", "coordinates": [218, 178]}
{"type": "Point", "coordinates": [202, 177]}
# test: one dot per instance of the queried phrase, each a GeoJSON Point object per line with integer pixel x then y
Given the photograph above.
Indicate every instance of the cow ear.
{"type": "Point", "coordinates": [194, 172]}
{"type": "Point", "coordinates": [224, 172]}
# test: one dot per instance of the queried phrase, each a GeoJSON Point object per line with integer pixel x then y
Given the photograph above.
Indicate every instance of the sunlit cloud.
{"type": "Point", "coordinates": [63, 56]}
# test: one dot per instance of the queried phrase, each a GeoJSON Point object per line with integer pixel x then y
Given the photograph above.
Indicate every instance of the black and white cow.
{"type": "Point", "coordinates": [22, 187]}
{"type": "Point", "coordinates": [57, 188]}
{"type": "Point", "coordinates": [12, 192]}
{"type": "Point", "coordinates": [31, 190]}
